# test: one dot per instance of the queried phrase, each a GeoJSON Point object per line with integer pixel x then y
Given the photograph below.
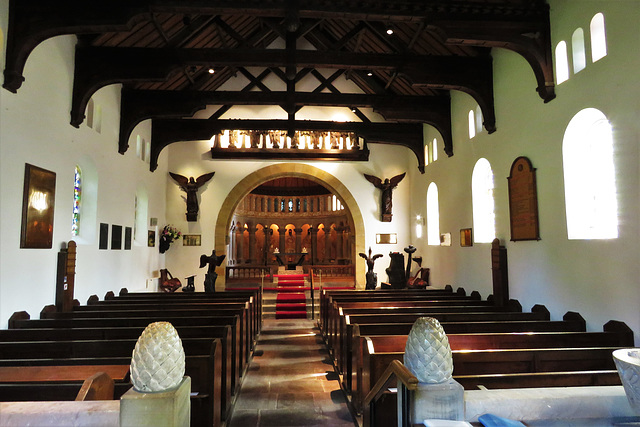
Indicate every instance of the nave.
{"type": "Point", "coordinates": [290, 380]}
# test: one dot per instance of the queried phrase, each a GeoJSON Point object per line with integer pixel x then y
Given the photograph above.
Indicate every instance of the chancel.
{"type": "Point", "coordinates": [348, 140]}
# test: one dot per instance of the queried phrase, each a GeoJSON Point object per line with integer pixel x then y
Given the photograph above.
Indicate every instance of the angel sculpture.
{"type": "Point", "coordinates": [210, 277]}
{"type": "Point", "coordinates": [371, 277]}
{"type": "Point", "coordinates": [190, 186]}
{"type": "Point", "coordinates": [387, 188]}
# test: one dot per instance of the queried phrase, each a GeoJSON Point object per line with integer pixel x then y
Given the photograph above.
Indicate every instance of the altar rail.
{"type": "Point", "coordinates": [247, 272]}
{"type": "Point", "coordinates": [254, 273]}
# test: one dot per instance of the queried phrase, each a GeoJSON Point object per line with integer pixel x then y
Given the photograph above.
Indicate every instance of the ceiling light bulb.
{"type": "Point", "coordinates": [369, 74]}
{"type": "Point", "coordinates": [211, 71]}
{"type": "Point", "coordinates": [389, 31]}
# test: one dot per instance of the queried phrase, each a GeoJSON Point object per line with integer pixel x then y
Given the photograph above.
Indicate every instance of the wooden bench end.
{"type": "Point", "coordinates": [18, 315]}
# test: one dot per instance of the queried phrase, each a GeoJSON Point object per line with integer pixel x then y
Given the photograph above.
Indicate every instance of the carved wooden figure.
{"type": "Point", "coordinates": [387, 188]}
{"type": "Point", "coordinates": [190, 186]}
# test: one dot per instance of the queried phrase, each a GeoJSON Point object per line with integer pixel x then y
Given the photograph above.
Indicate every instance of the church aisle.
{"type": "Point", "coordinates": [291, 380]}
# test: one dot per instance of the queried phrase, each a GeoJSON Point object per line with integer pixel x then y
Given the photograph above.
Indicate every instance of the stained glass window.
{"type": "Point", "coordinates": [77, 197]}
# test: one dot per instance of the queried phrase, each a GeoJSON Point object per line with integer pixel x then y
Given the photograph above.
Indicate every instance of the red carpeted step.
{"type": "Point", "coordinates": [292, 306]}
{"type": "Point", "coordinates": [291, 297]}
{"type": "Point", "coordinates": [291, 276]}
{"type": "Point", "coordinates": [290, 282]}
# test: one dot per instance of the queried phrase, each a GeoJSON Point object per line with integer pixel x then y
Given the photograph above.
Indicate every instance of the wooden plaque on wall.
{"type": "Point", "coordinates": [523, 201]}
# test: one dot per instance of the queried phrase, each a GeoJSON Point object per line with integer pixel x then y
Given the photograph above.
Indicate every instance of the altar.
{"type": "Point", "coordinates": [287, 259]}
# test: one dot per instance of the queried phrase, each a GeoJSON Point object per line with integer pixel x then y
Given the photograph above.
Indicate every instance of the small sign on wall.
{"type": "Point", "coordinates": [191, 240]}
{"type": "Point", "coordinates": [387, 238]}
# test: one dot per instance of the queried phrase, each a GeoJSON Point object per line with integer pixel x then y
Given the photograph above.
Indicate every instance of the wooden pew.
{"type": "Point", "coordinates": [229, 353]}
{"type": "Point", "coordinates": [368, 294]}
{"type": "Point", "coordinates": [538, 359]}
{"type": "Point", "coordinates": [164, 314]}
{"type": "Point", "coordinates": [451, 317]}
{"type": "Point", "coordinates": [187, 327]}
{"type": "Point", "coordinates": [203, 365]}
{"type": "Point", "coordinates": [333, 319]}
{"type": "Point", "coordinates": [254, 298]}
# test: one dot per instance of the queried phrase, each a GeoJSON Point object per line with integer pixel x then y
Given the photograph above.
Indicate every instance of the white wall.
{"type": "Point", "coordinates": [598, 278]}
{"type": "Point", "coordinates": [35, 129]}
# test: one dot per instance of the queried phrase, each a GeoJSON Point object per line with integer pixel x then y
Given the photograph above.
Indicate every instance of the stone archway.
{"type": "Point", "coordinates": [311, 173]}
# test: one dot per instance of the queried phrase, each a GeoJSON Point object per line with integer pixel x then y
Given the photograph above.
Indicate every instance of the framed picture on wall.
{"type": "Point", "coordinates": [104, 236]}
{"type": "Point", "coordinates": [465, 237]}
{"type": "Point", "coordinates": [38, 200]}
{"type": "Point", "coordinates": [116, 237]}
{"type": "Point", "coordinates": [191, 240]}
{"type": "Point", "coordinates": [151, 238]}
{"type": "Point", "coordinates": [387, 238]}
{"type": "Point", "coordinates": [128, 231]}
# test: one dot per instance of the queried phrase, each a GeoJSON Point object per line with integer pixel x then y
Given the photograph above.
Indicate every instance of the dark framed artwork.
{"type": "Point", "coordinates": [116, 237]}
{"type": "Point", "coordinates": [523, 201]}
{"type": "Point", "coordinates": [466, 237]}
{"type": "Point", "coordinates": [127, 238]}
{"type": "Point", "coordinates": [387, 238]}
{"type": "Point", "coordinates": [104, 236]}
{"type": "Point", "coordinates": [191, 240]}
{"type": "Point", "coordinates": [38, 200]}
{"type": "Point", "coordinates": [151, 238]}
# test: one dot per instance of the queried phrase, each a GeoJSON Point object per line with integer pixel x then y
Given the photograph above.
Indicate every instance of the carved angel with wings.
{"type": "Point", "coordinates": [387, 188]}
{"type": "Point", "coordinates": [190, 186]}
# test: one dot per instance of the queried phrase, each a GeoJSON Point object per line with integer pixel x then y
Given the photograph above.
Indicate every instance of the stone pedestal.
{"type": "Point", "coordinates": [163, 409]}
{"type": "Point", "coordinates": [443, 401]}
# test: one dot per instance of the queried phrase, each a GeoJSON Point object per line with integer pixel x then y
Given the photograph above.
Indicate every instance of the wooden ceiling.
{"type": "Point", "coordinates": [161, 51]}
{"type": "Point", "coordinates": [290, 186]}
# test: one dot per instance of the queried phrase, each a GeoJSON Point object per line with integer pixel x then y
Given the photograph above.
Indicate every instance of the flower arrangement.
{"type": "Point", "coordinates": [171, 232]}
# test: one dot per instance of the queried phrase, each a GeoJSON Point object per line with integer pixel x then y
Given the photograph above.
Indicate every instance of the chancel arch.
{"type": "Point", "coordinates": [238, 194]}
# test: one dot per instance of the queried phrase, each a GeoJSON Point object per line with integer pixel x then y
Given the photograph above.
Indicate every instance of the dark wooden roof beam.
{"type": "Point", "coordinates": [139, 105]}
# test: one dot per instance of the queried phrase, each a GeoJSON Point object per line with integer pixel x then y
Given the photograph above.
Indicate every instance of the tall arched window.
{"type": "Point", "coordinates": [598, 37]}
{"type": "Point", "coordinates": [426, 154]}
{"type": "Point", "coordinates": [433, 215]}
{"type": "Point", "coordinates": [484, 217]}
{"type": "Point", "coordinates": [472, 124]}
{"type": "Point", "coordinates": [77, 198]}
{"type": "Point", "coordinates": [89, 113]}
{"type": "Point", "coordinates": [562, 62]}
{"type": "Point", "coordinates": [577, 47]}
{"type": "Point", "coordinates": [434, 150]}
{"type": "Point", "coordinates": [478, 119]}
{"type": "Point", "coordinates": [589, 177]}
{"type": "Point", "coordinates": [141, 209]}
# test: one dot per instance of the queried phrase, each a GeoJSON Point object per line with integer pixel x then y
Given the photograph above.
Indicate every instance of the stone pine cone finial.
{"type": "Point", "coordinates": [157, 363]}
{"type": "Point", "coordinates": [427, 353]}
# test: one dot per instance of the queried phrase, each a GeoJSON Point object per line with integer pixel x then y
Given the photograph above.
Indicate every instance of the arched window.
{"type": "Point", "coordinates": [478, 119]}
{"type": "Point", "coordinates": [89, 113]}
{"type": "Point", "coordinates": [589, 177]}
{"type": "Point", "coordinates": [562, 62]}
{"type": "Point", "coordinates": [472, 124]}
{"type": "Point", "coordinates": [77, 198]}
{"type": "Point", "coordinates": [433, 215]}
{"type": "Point", "coordinates": [141, 209]}
{"type": "Point", "coordinates": [598, 37]}
{"type": "Point", "coordinates": [577, 47]}
{"type": "Point", "coordinates": [434, 150]}
{"type": "Point", "coordinates": [426, 154]}
{"type": "Point", "coordinates": [484, 217]}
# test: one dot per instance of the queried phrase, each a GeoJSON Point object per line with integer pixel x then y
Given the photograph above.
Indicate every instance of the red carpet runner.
{"type": "Point", "coordinates": [291, 302]}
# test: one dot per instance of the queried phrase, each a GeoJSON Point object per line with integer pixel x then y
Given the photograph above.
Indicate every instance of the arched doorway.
{"type": "Point", "coordinates": [237, 194]}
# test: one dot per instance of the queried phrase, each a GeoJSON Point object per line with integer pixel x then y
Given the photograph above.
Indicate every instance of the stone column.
{"type": "Point", "coordinates": [252, 244]}
{"type": "Point", "coordinates": [298, 232]}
